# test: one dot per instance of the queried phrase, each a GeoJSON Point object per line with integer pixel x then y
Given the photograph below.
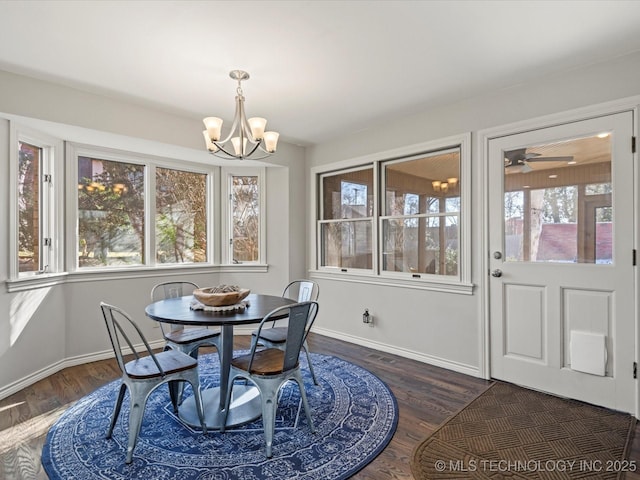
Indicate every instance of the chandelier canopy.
{"type": "Point", "coordinates": [247, 136]}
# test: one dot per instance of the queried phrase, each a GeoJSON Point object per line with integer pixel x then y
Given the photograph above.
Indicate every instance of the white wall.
{"type": "Point", "coordinates": [45, 329]}
{"type": "Point", "coordinates": [444, 328]}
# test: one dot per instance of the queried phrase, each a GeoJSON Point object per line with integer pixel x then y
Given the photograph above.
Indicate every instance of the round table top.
{"type": "Point", "coordinates": [178, 310]}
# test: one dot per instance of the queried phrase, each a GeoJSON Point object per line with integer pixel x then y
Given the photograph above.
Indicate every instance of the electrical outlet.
{"type": "Point", "coordinates": [367, 317]}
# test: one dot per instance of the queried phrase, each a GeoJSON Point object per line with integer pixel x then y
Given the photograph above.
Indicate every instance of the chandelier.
{"type": "Point", "coordinates": [247, 136]}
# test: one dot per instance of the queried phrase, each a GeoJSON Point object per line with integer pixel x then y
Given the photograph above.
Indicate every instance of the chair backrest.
{"type": "Point", "coordinates": [123, 333]}
{"type": "Point", "coordinates": [302, 291]}
{"type": "Point", "coordinates": [172, 290]}
{"type": "Point", "coordinates": [166, 290]}
{"type": "Point", "coordinates": [301, 317]}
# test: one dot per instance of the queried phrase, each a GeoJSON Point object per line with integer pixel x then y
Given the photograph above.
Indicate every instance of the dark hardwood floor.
{"type": "Point", "coordinates": [426, 395]}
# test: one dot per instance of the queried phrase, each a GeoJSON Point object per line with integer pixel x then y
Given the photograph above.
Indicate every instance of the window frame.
{"type": "Point", "coordinates": [226, 237]}
{"type": "Point", "coordinates": [453, 284]}
{"type": "Point", "coordinates": [51, 208]}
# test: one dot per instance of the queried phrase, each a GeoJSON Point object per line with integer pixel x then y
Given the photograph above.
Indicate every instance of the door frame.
{"type": "Point", "coordinates": [482, 154]}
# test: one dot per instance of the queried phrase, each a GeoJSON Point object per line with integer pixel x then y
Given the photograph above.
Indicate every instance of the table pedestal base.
{"type": "Point", "coordinates": [245, 407]}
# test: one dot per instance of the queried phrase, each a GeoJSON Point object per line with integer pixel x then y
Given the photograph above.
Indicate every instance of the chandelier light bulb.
{"type": "Point", "coordinates": [207, 139]}
{"type": "Point", "coordinates": [257, 125]}
{"type": "Point", "coordinates": [214, 127]}
{"type": "Point", "coordinates": [236, 146]}
{"type": "Point", "coordinates": [271, 141]}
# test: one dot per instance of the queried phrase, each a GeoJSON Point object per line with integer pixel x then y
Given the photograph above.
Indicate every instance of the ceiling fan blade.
{"type": "Point", "coordinates": [549, 159]}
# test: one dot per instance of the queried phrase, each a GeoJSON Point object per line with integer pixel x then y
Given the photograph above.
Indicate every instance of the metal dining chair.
{"type": "Point", "coordinates": [276, 337]}
{"type": "Point", "coordinates": [269, 369]}
{"type": "Point", "coordinates": [177, 337]}
{"type": "Point", "coordinates": [146, 372]}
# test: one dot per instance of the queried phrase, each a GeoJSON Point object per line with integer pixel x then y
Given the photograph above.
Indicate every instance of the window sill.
{"type": "Point", "coordinates": [418, 284]}
{"type": "Point", "coordinates": [35, 281]}
{"type": "Point", "coordinates": [106, 274]}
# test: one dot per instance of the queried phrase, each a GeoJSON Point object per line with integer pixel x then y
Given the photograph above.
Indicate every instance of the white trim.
{"type": "Point", "coordinates": [61, 365]}
{"type": "Point", "coordinates": [482, 146]}
{"type": "Point", "coordinates": [401, 352]}
{"type": "Point", "coordinates": [352, 276]}
{"type": "Point", "coordinates": [120, 273]}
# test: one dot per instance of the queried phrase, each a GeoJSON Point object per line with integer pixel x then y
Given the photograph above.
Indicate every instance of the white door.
{"type": "Point", "coordinates": [562, 316]}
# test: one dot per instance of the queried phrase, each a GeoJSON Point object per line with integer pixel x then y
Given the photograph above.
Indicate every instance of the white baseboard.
{"type": "Point", "coordinates": [402, 352]}
{"type": "Point", "coordinates": [383, 347]}
{"type": "Point", "coordinates": [61, 365]}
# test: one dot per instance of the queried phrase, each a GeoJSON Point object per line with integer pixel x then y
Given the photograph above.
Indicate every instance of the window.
{"type": "Point", "coordinates": [137, 211]}
{"type": "Point", "coordinates": [30, 225]}
{"type": "Point", "coordinates": [181, 216]}
{"type": "Point", "coordinates": [421, 214]}
{"type": "Point", "coordinates": [346, 223]}
{"type": "Point", "coordinates": [400, 217]}
{"type": "Point", "coordinates": [244, 223]}
{"type": "Point", "coordinates": [125, 210]}
{"type": "Point", "coordinates": [111, 213]}
{"type": "Point", "coordinates": [36, 204]}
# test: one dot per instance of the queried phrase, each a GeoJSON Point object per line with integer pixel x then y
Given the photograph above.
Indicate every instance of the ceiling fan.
{"type": "Point", "coordinates": [520, 158]}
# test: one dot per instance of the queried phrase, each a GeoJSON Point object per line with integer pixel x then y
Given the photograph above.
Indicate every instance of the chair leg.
{"type": "Point", "coordinates": [197, 392]}
{"type": "Point", "coordinates": [116, 409]}
{"type": "Point", "coordinates": [305, 403]}
{"type": "Point", "coordinates": [269, 406]}
{"type": "Point", "coordinates": [227, 402]}
{"type": "Point", "coordinates": [138, 401]}
{"type": "Point", "coordinates": [175, 393]}
{"type": "Point", "coordinates": [313, 374]}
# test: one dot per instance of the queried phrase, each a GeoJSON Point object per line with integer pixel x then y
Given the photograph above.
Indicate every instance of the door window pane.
{"type": "Point", "coordinates": [557, 202]}
{"type": "Point", "coordinates": [29, 170]}
{"type": "Point", "coordinates": [110, 213]}
{"type": "Point", "coordinates": [181, 216]}
{"type": "Point", "coordinates": [604, 235]}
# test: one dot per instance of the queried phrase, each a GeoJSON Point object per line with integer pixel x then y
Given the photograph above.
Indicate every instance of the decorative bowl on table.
{"type": "Point", "coordinates": [221, 295]}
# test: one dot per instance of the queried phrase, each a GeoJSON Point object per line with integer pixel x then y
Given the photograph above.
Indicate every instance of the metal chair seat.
{"type": "Point", "coordinates": [191, 336]}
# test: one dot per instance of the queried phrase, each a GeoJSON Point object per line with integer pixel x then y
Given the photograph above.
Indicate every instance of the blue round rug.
{"type": "Point", "coordinates": [354, 412]}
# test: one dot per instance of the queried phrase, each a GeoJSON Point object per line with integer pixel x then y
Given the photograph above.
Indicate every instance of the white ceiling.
{"type": "Point", "coordinates": [318, 68]}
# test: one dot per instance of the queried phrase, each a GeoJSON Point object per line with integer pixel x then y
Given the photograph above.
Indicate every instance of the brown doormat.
{"type": "Point", "coordinates": [513, 432]}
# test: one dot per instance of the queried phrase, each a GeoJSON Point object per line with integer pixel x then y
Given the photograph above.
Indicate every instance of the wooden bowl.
{"type": "Point", "coordinates": [207, 297]}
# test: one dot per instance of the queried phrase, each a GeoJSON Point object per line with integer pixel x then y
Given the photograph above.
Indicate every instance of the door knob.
{"type": "Point", "coordinates": [496, 273]}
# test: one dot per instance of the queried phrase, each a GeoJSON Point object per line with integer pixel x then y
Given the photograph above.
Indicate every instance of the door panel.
{"type": "Point", "coordinates": [561, 243]}
{"type": "Point", "coordinates": [524, 322]}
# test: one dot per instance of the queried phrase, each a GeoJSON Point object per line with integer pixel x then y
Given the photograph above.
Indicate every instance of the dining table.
{"type": "Point", "coordinates": [245, 403]}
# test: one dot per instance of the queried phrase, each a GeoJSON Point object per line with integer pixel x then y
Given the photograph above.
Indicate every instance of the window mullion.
{"type": "Point", "coordinates": [150, 217]}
